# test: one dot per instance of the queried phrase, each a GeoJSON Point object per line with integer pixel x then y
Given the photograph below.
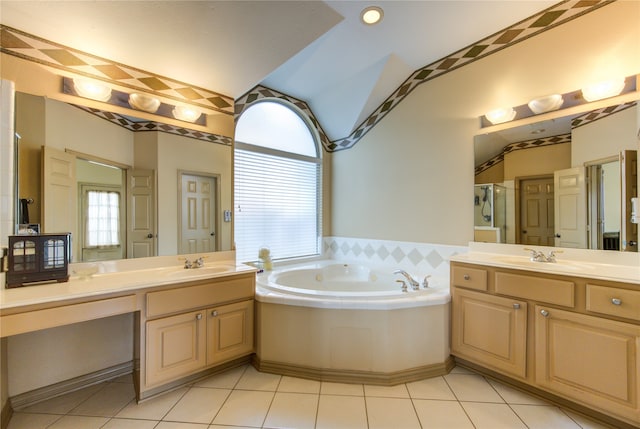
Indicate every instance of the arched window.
{"type": "Point", "coordinates": [277, 171]}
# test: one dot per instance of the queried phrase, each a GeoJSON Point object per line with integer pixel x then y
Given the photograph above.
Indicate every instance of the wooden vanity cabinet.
{"type": "Point", "coordinates": [212, 324]}
{"type": "Point", "coordinates": [491, 330]}
{"type": "Point", "coordinates": [576, 338]}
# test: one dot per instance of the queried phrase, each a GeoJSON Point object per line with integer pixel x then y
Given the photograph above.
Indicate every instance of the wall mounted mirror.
{"type": "Point", "coordinates": [127, 185]}
{"type": "Point", "coordinates": [520, 195]}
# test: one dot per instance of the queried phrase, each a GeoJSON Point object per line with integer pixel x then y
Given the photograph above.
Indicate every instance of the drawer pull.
{"type": "Point", "coordinates": [214, 313]}
{"type": "Point", "coordinates": [545, 313]}
{"type": "Point", "coordinates": [516, 306]}
{"type": "Point", "coordinates": [199, 316]}
{"type": "Point", "coordinates": [616, 301]}
{"type": "Point", "coordinates": [467, 277]}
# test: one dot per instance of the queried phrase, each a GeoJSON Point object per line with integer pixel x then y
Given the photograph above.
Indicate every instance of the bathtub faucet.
{"type": "Point", "coordinates": [414, 284]}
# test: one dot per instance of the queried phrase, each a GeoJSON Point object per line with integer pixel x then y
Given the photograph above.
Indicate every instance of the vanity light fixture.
{"type": "Point", "coordinates": [91, 89]}
{"type": "Point", "coordinates": [498, 116]}
{"type": "Point", "coordinates": [545, 104]}
{"type": "Point", "coordinates": [186, 113]}
{"type": "Point", "coordinates": [144, 102]}
{"type": "Point", "coordinates": [604, 89]}
{"type": "Point", "coordinates": [372, 15]}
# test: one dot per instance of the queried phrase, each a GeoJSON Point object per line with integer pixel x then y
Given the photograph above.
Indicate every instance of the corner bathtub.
{"type": "Point", "coordinates": [347, 322]}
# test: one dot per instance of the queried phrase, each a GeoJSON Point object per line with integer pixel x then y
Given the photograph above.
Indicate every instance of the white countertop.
{"type": "Point", "coordinates": [117, 277]}
{"type": "Point", "coordinates": [595, 264]}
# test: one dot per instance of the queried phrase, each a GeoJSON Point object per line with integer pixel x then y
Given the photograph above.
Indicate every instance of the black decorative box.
{"type": "Point", "coordinates": [38, 258]}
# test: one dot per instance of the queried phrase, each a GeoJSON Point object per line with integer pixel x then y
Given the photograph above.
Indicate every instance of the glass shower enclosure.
{"type": "Point", "coordinates": [489, 213]}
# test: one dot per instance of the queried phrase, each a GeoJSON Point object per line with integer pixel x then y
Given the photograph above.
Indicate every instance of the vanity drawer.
{"type": "Point", "coordinates": [613, 301]}
{"type": "Point", "coordinates": [551, 291]}
{"type": "Point", "coordinates": [471, 278]}
{"type": "Point", "coordinates": [203, 295]}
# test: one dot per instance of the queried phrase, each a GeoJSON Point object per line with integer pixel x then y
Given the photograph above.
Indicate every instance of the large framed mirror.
{"type": "Point", "coordinates": [114, 187]}
{"type": "Point", "coordinates": [563, 182]}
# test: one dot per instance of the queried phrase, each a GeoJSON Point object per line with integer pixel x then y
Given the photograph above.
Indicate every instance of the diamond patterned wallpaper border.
{"type": "Point", "coordinates": [33, 48]}
{"type": "Point", "coordinates": [138, 126]}
{"type": "Point", "coordinates": [558, 14]}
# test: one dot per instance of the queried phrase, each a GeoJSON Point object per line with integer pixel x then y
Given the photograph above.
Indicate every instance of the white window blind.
{"type": "Point", "coordinates": [276, 205]}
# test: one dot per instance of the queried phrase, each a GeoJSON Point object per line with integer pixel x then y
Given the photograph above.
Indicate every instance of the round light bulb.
{"type": "Point", "coordinates": [372, 15]}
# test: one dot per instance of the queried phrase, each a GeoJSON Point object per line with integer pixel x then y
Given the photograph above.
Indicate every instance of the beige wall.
{"type": "Point", "coordinates": [605, 137]}
{"type": "Point", "coordinates": [538, 161]}
{"type": "Point", "coordinates": [411, 177]}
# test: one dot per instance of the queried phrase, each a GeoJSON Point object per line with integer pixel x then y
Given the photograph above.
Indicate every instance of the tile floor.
{"type": "Point", "coordinates": [245, 398]}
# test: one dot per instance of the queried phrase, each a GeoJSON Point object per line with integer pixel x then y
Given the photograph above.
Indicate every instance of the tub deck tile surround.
{"type": "Point", "coordinates": [461, 399]}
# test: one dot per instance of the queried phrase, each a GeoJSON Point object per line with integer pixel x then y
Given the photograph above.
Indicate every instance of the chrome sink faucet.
{"type": "Point", "coordinates": [539, 256]}
{"type": "Point", "coordinates": [196, 263]}
{"type": "Point", "coordinates": [414, 284]}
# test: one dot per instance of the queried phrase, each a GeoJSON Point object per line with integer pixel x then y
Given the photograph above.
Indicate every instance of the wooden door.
{"type": "Point", "coordinates": [60, 194]}
{"type": "Point", "coordinates": [176, 347]}
{"type": "Point", "coordinates": [197, 214]}
{"type": "Point", "coordinates": [629, 175]}
{"type": "Point", "coordinates": [570, 208]}
{"type": "Point", "coordinates": [591, 360]}
{"type": "Point", "coordinates": [229, 332]}
{"type": "Point", "coordinates": [490, 330]}
{"type": "Point", "coordinates": [537, 212]}
{"type": "Point", "coordinates": [141, 213]}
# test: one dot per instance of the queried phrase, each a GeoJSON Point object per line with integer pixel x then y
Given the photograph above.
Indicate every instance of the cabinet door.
{"type": "Point", "coordinates": [591, 360]}
{"type": "Point", "coordinates": [229, 332]}
{"type": "Point", "coordinates": [490, 330]}
{"type": "Point", "coordinates": [175, 346]}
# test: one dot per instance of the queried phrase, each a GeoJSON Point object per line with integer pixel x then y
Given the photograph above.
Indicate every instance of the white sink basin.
{"type": "Point", "coordinates": [559, 264]}
{"type": "Point", "coordinates": [202, 271]}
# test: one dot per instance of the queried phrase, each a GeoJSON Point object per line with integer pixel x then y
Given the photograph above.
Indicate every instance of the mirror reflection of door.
{"type": "Point", "coordinates": [537, 211]}
{"type": "Point", "coordinates": [570, 200]}
{"type": "Point", "coordinates": [198, 196]}
{"type": "Point", "coordinates": [141, 206]}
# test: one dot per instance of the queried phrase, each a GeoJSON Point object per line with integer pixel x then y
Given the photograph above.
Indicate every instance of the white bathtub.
{"type": "Point", "coordinates": [343, 285]}
{"type": "Point", "coordinates": [347, 322]}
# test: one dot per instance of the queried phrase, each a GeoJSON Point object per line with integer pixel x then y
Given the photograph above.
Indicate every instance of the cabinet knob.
{"type": "Point", "coordinates": [545, 313]}
{"type": "Point", "coordinates": [199, 316]}
{"type": "Point", "coordinates": [616, 301]}
{"type": "Point", "coordinates": [516, 306]}
{"type": "Point", "coordinates": [467, 277]}
{"type": "Point", "coordinates": [214, 313]}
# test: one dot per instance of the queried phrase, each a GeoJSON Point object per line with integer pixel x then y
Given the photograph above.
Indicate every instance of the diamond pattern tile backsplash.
{"type": "Point", "coordinates": [417, 258]}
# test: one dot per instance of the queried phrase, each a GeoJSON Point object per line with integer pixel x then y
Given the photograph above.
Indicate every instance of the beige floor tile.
{"type": "Point", "coordinates": [224, 380]}
{"type": "Point", "coordinates": [341, 389]}
{"type": "Point", "coordinates": [543, 417]}
{"type": "Point", "coordinates": [292, 410]}
{"type": "Point", "coordinates": [298, 385]}
{"type": "Point", "coordinates": [106, 402]}
{"type": "Point", "coordinates": [64, 403]}
{"type": "Point", "coordinates": [338, 411]}
{"type": "Point", "coordinates": [398, 391]}
{"type": "Point", "coordinates": [229, 427]}
{"type": "Point", "coordinates": [181, 425]}
{"type": "Point", "coordinates": [244, 408]}
{"type": "Point", "coordinates": [472, 388]}
{"type": "Point", "coordinates": [31, 421]}
{"type": "Point", "coordinates": [514, 396]}
{"type": "Point", "coordinates": [79, 422]}
{"type": "Point", "coordinates": [198, 405]}
{"type": "Point", "coordinates": [153, 409]}
{"type": "Point", "coordinates": [116, 423]}
{"type": "Point", "coordinates": [255, 380]}
{"type": "Point", "coordinates": [431, 388]}
{"type": "Point", "coordinates": [492, 416]}
{"type": "Point", "coordinates": [435, 414]}
{"type": "Point", "coordinates": [583, 421]}
{"type": "Point", "coordinates": [397, 413]}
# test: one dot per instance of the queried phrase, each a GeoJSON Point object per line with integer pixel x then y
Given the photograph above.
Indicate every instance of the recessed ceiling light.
{"type": "Point", "coordinates": [372, 15]}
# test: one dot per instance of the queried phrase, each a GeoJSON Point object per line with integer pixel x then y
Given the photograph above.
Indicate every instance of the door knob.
{"type": "Point", "coordinates": [212, 234]}
{"type": "Point", "coordinates": [557, 235]}
{"type": "Point", "coordinates": [149, 235]}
